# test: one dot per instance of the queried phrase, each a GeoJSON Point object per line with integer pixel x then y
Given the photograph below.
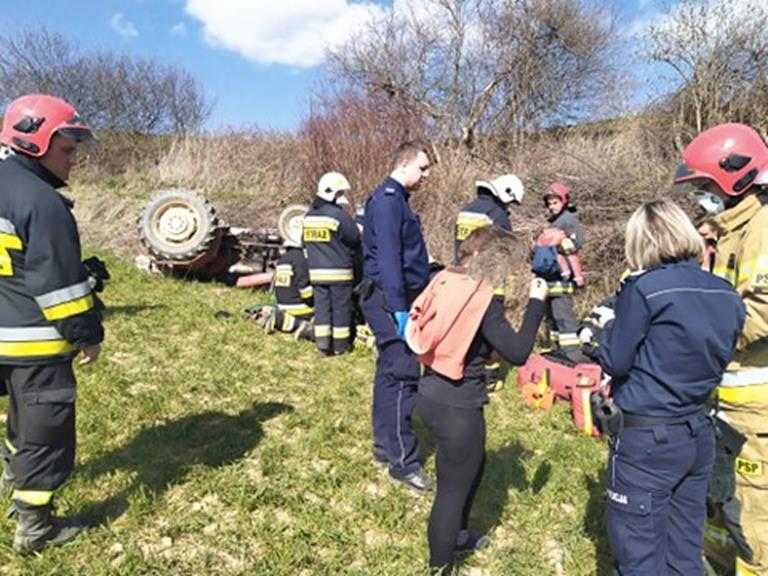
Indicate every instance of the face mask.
{"type": "Point", "coordinates": [711, 203]}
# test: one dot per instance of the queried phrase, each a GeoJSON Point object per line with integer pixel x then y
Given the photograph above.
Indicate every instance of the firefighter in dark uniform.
{"type": "Point", "coordinates": [395, 270]}
{"type": "Point", "coordinates": [490, 208]}
{"type": "Point", "coordinates": [561, 318]}
{"type": "Point", "coordinates": [294, 311]}
{"type": "Point", "coordinates": [294, 293]}
{"type": "Point", "coordinates": [332, 242]}
{"type": "Point", "coordinates": [47, 311]}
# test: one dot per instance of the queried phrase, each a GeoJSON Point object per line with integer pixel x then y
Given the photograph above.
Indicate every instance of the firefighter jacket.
{"type": "Point", "coordinates": [395, 255]}
{"type": "Point", "coordinates": [332, 242]}
{"type": "Point", "coordinates": [47, 309]}
{"type": "Point", "coordinates": [485, 210]}
{"type": "Point", "coordinates": [742, 259]}
{"type": "Point", "coordinates": [292, 288]}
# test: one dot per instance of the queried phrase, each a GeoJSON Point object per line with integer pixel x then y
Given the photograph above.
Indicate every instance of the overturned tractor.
{"type": "Point", "coordinates": [185, 238]}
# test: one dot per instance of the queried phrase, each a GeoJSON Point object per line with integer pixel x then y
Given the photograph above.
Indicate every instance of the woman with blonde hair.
{"type": "Point", "coordinates": [455, 325]}
{"type": "Point", "coordinates": [674, 332]}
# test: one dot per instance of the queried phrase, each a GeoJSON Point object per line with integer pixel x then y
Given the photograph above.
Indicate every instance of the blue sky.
{"type": "Point", "coordinates": [258, 60]}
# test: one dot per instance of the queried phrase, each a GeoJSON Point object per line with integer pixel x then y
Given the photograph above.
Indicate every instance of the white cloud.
{"type": "Point", "coordinates": [123, 26]}
{"type": "Point", "coordinates": [179, 29]}
{"type": "Point", "coordinates": [291, 32]}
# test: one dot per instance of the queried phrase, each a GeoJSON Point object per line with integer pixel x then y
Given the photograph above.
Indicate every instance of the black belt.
{"type": "Point", "coordinates": [635, 421]}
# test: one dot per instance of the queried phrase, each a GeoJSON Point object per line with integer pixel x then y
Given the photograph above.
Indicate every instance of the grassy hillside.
{"type": "Point", "coordinates": [206, 447]}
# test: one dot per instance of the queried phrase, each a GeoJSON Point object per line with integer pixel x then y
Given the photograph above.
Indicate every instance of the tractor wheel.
{"type": "Point", "coordinates": [178, 225]}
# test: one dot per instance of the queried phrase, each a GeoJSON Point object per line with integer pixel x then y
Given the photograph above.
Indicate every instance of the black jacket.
{"type": "Point", "coordinates": [46, 305]}
{"type": "Point", "coordinates": [332, 242]}
{"type": "Point", "coordinates": [292, 288]}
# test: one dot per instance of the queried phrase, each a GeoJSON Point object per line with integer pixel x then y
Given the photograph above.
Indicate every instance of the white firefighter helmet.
{"type": "Point", "coordinates": [331, 184]}
{"type": "Point", "coordinates": [290, 223]}
{"type": "Point", "coordinates": [507, 188]}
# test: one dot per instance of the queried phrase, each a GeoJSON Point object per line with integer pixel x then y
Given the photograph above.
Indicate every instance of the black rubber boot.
{"type": "Point", "coordinates": [37, 528]}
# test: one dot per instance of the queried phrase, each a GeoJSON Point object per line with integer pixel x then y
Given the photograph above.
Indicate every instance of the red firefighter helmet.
{"type": "Point", "coordinates": [559, 190]}
{"type": "Point", "coordinates": [31, 121]}
{"type": "Point", "coordinates": [734, 156]}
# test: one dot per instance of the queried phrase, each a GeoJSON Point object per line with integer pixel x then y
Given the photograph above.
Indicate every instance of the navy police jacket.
{"type": "Point", "coordinates": [394, 252]}
{"type": "Point", "coordinates": [332, 242]}
{"type": "Point", "coordinates": [675, 331]}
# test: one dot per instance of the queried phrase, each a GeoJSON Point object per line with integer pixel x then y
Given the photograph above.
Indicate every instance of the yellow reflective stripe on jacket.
{"type": "Point", "coordinates": [28, 349]}
{"type": "Point", "coordinates": [306, 292]}
{"type": "Point", "coordinates": [743, 569]}
{"type": "Point", "coordinates": [62, 295]}
{"type": "Point", "coordinates": [8, 242]}
{"type": "Point", "coordinates": [67, 309]}
{"type": "Point", "coordinates": [321, 223]}
{"type": "Point", "coordinates": [560, 288]}
{"type": "Point", "coordinates": [468, 222]}
{"type": "Point", "coordinates": [755, 394]}
{"type": "Point", "coordinates": [296, 309]}
{"type": "Point", "coordinates": [33, 497]}
{"type": "Point", "coordinates": [35, 341]}
{"type": "Point", "coordinates": [317, 275]}
{"type": "Point", "coordinates": [11, 448]}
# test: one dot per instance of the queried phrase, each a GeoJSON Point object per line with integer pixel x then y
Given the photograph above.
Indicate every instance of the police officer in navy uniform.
{"type": "Point", "coordinates": [396, 269]}
{"type": "Point", "coordinates": [674, 332]}
{"type": "Point", "coordinates": [48, 312]}
{"type": "Point", "coordinates": [332, 242]}
{"type": "Point", "coordinates": [490, 208]}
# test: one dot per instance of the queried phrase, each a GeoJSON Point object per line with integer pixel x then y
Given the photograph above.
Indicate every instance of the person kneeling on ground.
{"type": "Point", "coordinates": [294, 311]}
{"type": "Point", "coordinates": [674, 332]}
{"type": "Point", "coordinates": [454, 326]}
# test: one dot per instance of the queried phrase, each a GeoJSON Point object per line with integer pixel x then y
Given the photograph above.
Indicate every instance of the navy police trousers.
{"type": "Point", "coordinates": [657, 489]}
{"type": "Point", "coordinates": [395, 385]}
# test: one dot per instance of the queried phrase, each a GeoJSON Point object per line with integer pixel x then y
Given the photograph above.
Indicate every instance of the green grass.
{"type": "Point", "coordinates": [206, 447]}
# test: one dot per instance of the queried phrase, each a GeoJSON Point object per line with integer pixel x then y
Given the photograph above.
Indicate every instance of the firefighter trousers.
{"type": "Point", "coordinates": [562, 323]}
{"type": "Point", "coordinates": [333, 317]}
{"type": "Point", "coordinates": [300, 325]}
{"type": "Point", "coordinates": [40, 429]}
{"type": "Point", "coordinates": [739, 508]}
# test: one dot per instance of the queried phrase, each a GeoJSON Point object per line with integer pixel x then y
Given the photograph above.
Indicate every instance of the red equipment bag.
{"type": "Point", "coordinates": [542, 379]}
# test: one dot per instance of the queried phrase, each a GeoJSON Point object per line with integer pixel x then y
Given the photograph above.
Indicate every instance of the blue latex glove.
{"type": "Point", "coordinates": [401, 319]}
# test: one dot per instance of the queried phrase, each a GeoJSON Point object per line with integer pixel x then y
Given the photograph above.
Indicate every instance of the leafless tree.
{"type": "Point", "coordinates": [111, 91]}
{"type": "Point", "coordinates": [718, 51]}
{"type": "Point", "coordinates": [353, 133]}
{"type": "Point", "coordinates": [485, 66]}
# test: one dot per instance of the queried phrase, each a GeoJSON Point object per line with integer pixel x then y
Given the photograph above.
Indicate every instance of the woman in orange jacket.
{"type": "Point", "coordinates": [455, 325]}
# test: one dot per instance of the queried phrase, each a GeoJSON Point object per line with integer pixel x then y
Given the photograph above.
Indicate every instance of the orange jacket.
{"type": "Point", "coordinates": [444, 320]}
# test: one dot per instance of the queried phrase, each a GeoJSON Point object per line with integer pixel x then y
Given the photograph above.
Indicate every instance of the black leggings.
{"type": "Point", "coordinates": [459, 435]}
